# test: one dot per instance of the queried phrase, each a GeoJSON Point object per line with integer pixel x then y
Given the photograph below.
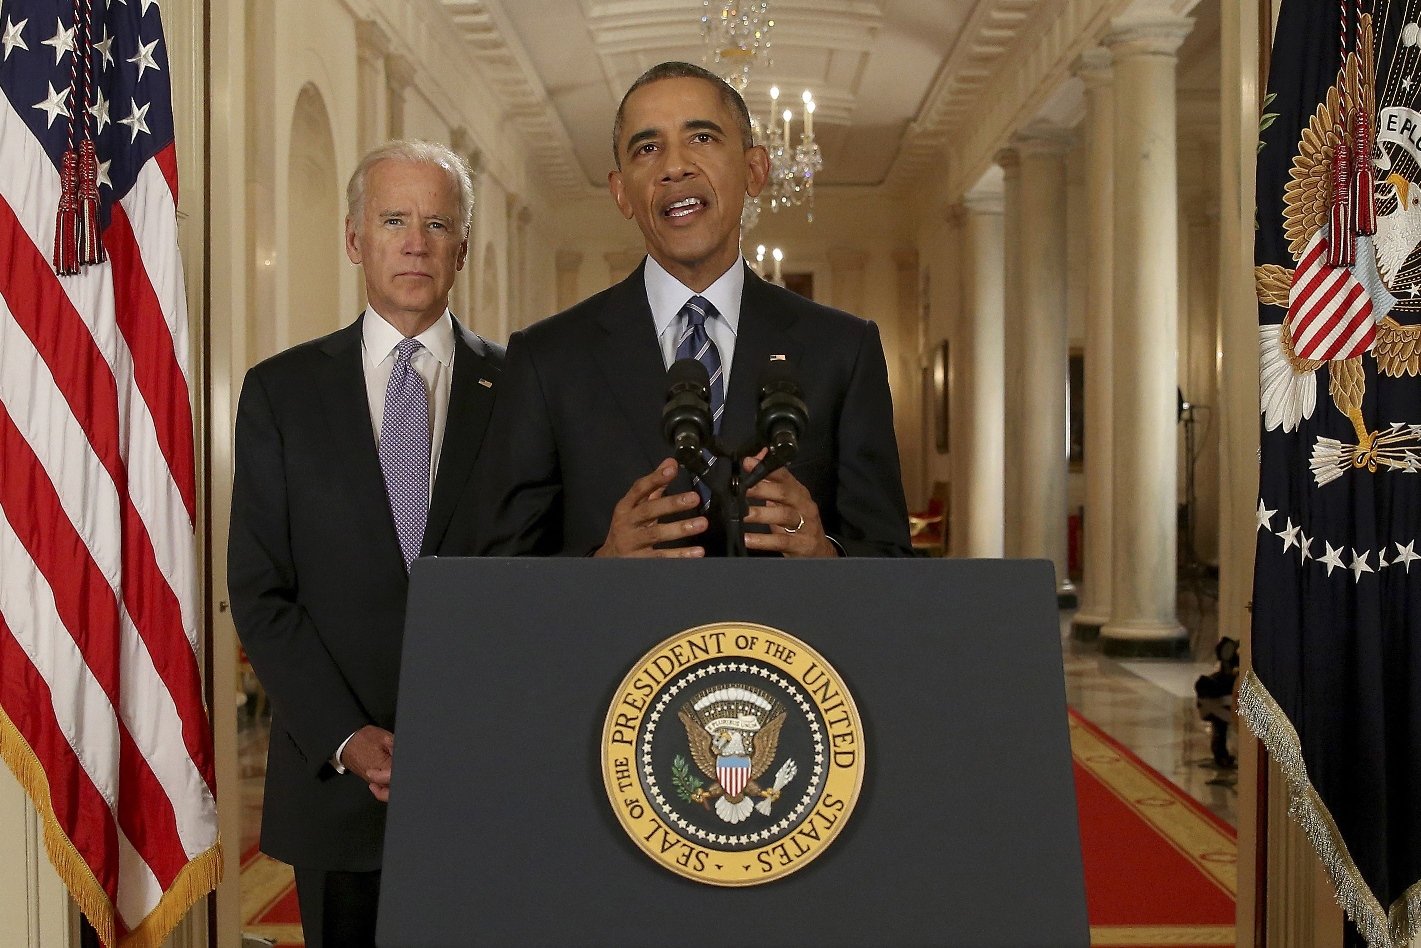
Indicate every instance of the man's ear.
{"type": "Point", "coordinates": [757, 169]}
{"type": "Point", "coordinates": [619, 193]}
{"type": "Point", "coordinates": [463, 254]}
{"type": "Point", "coordinates": [352, 241]}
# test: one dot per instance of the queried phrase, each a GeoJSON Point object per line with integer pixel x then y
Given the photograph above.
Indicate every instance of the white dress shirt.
{"type": "Point", "coordinates": [434, 363]}
{"type": "Point", "coordinates": [667, 295]}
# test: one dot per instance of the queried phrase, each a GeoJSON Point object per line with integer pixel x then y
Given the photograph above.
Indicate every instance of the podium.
{"type": "Point", "coordinates": [500, 830]}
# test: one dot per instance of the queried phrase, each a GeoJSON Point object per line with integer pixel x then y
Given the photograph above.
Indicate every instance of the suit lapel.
{"type": "Point", "coordinates": [348, 407]}
{"type": "Point", "coordinates": [471, 396]}
{"type": "Point", "coordinates": [764, 332]}
{"type": "Point", "coordinates": [630, 360]}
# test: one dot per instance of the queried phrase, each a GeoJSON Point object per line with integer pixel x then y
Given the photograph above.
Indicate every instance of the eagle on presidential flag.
{"type": "Point", "coordinates": [1332, 691]}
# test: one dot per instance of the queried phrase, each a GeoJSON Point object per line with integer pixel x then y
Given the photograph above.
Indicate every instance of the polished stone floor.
{"type": "Point", "coordinates": [1148, 705]}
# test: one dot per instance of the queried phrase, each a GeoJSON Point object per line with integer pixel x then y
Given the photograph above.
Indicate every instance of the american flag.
{"type": "Point", "coordinates": [101, 709]}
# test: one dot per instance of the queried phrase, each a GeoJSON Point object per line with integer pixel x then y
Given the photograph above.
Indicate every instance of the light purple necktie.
{"type": "Point", "coordinates": [404, 450]}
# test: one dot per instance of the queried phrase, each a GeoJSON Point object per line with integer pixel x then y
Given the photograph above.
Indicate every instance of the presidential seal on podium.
{"type": "Point", "coordinates": [733, 754]}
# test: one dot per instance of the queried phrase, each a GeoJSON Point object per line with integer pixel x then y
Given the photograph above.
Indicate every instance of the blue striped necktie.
{"type": "Point", "coordinates": [695, 343]}
{"type": "Point", "coordinates": [404, 450]}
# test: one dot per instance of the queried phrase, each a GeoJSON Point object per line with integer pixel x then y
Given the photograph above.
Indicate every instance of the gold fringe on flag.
{"type": "Point", "coordinates": [199, 877]}
{"type": "Point", "coordinates": [1381, 928]}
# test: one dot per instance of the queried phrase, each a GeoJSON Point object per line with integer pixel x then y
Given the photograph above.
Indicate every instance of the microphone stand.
{"type": "Point", "coordinates": [734, 500]}
{"type": "Point", "coordinates": [736, 507]}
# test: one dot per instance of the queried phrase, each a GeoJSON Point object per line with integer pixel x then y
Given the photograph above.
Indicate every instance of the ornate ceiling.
{"type": "Point", "coordinates": [894, 80]}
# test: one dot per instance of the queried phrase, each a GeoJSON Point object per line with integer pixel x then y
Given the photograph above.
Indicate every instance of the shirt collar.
{"type": "Point", "coordinates": [380, 338]}
{"type": "Point", "coordinates": [667, 295]}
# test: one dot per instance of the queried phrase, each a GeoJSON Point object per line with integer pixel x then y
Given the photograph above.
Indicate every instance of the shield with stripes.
{"type": "Point", "coordinates": [1330, 307]}
{"type": "Point", "coordinates": [733, 774]}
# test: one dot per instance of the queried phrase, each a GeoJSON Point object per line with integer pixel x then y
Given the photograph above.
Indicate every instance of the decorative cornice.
{"type": "Point", "coordinates": [399, 73]}
{"type": "Point", "coordinates": [491, 42]}
{"type": "Point", "coordinates": [370, 39]}
{"type": "Point", "coordinates": [1094, 68]}
{"type": "Point", "coordinates": [984, 203]}
{"type": "Point", "coordinates": [568, 260]}
{"type": "Point", "coordinates": [1130, 36]}
{"type": "Point", "coordinates": [1042, 139]}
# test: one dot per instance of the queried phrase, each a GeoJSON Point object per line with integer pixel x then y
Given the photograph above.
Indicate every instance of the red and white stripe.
{"type": "Point", "coordinates": [98, 614]}
{"type": "Point", "coordinates": [1329, 308]}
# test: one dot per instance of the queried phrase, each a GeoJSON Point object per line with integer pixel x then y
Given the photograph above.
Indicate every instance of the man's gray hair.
{"type": "Point", "coordinates": [421, 152]}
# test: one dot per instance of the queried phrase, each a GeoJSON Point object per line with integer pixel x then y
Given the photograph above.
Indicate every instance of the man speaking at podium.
{"type": "Point", "coordinates": [581, 465]}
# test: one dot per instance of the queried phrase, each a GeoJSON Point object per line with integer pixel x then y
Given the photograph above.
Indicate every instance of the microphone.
{"type": "Point", "coordinates": [783, 416]}
{"type": "Point", "coordinates": [686, 418]}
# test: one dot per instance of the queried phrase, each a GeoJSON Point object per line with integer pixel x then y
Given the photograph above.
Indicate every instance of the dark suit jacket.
{"type": "Point", "coordinates": [317, 581]}
{"type": "Point", "coordinates": [579, 419]}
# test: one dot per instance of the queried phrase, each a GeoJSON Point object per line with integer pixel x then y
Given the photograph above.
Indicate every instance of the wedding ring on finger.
{"type": "Point", "coordinates": [797, 527]}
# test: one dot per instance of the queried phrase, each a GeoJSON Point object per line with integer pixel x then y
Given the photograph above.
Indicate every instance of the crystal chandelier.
{"type": "Point", "coordinates": [792, 166]}
{"type": "Point", "coordinates": [737, 37]}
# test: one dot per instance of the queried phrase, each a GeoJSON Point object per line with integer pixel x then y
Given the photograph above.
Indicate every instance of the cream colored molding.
{"type": "Point", "coordinates": [371, 40]}
{"type": "Point", "coordinates": [461, 32]}
{"type": "Point", "coordinates": [399, 73]}
{"type": "Point", "coordinates": [568, 260]}
{"type": "Point", "coordinates": [990, 35]}
{"type": "Point", "coordinates": [491, 42]}
{"type": "Point", "coordinates": [1048, 37]}
{"type": "Point", "coordinates": [1094, 67]}
{"type": "Point", "coordinates": [1132, 36]}
{"type": "Point", "coordinates": [1041, 138]}
{"type": "Point", "coordinates": [980, 203]}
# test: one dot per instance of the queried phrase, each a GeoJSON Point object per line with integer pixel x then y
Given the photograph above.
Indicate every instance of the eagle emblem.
{"type": "Point", "coordinates": [1340, 315]}
{"type": "Point", "coordinates": [733, 733]}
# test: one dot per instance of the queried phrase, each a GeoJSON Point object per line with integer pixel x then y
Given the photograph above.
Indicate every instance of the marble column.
{"type": "Point", "coordinates": [1042, 345]}
{"type": "Point", "coordinates": [1093, 68]}
{"type": "Point", "coordinates": [372, 45]}
{"type": "Point", "coordinates": [846, 267]}
{"type": "Point", "coordinates": [902, 347]}
{"type": "Point", "coordinates": [1199, 374]}
{"type": "Point", "coordinates": [1143, 617]}
{"type": "Point", "coordinates": [399, 75]}
{"type": "Point", "coordinates": [978, 391]}
{"type": "Point", "coordinates": [1013, 352]}
{"type": "Point", "coordinates": [569, 264]}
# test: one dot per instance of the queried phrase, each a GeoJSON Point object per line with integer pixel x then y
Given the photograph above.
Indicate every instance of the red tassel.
{"type": "Point", "coordinates": [1364, 207]}
{"type": "Point", "coordinates": [1342, 241]}
{"type": "Point", "coordinates": [66, 225]}
{"type": "Point", "coordinates": [91, 247]}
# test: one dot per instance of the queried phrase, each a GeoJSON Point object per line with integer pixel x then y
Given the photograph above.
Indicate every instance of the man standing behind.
{"type": "Point", "coordinates": [578, 424]}
{"type": "Point", "coordinates": [343, 476]}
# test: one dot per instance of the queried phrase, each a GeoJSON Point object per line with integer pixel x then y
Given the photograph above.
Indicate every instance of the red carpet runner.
{"type": "Point", "coordinates": [1160, 869]}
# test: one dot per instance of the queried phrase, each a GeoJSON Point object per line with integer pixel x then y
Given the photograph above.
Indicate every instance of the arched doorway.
{"type": "Point", "coordinates": [313, 223]}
